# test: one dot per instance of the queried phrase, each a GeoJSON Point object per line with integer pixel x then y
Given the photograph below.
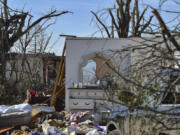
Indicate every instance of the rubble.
{"type": "Point", "coordinates": [19, 132]}
{"type": "Point", "coordinates": [44, 120]}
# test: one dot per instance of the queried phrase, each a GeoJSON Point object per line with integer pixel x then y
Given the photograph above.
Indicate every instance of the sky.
{"type": "Point", "coordinates": [78, 23]}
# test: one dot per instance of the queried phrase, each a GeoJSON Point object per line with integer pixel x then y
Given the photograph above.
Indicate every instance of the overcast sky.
{"type": "Point", "coordinates": [78, 23]}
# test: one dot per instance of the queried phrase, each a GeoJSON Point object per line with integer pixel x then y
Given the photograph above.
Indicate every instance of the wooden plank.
{"type": "Point", "coordinates": [6, 129]}
{"type": "Point", "coordinates": [59, 77]}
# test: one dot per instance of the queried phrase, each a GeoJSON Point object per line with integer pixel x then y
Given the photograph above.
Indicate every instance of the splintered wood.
{"type": "Point", "coordinates": [59, 88]}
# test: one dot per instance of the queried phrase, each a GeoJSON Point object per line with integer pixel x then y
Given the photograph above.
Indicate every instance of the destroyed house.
{"type": "Point", "coordinates": [44, 66]}
{"type": "Point", "coordinates": [86, 68]}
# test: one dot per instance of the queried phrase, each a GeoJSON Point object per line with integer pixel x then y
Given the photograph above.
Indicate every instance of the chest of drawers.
{"type": "Point", "coordinates": [88, 99]}
{"type": "Point", "coordinates": [84, 99]}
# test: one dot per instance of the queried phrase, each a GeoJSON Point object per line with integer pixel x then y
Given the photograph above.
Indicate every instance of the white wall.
{"type": "Point", "coordinates": [76, 48]}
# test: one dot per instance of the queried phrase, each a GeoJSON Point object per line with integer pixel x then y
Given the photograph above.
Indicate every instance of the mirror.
{"type": "Point", "coordinates": [89, 73]}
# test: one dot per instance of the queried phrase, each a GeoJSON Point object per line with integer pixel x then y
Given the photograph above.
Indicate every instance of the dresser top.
{"type": "Point", "coordinates": [89, 88]}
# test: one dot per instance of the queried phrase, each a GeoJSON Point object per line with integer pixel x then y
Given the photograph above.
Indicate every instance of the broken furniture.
{"type": "Point", "coordinates": [15, 118]}
{"type": "Point", "coordinates": [15, 115]}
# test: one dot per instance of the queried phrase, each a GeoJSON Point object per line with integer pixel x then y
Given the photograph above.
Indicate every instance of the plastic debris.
{"type": "Point", "coordinates": [93, 132]}
{"type": "Point", "coordinates": [15, 108]}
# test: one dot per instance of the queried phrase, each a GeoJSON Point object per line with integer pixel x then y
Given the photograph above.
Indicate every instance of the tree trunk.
{"type": "Point", "coordinates": [2, 65]}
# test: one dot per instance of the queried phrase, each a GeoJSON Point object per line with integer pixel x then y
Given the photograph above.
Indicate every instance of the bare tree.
{"type": "Point", "coordinates": [12, 24]}
{"type": "Point", "coordinates": [34, 44]}
{"type": "Point", "coordinates": [153, 78]}
{"type": "Point", "coordinates": [123, 19]}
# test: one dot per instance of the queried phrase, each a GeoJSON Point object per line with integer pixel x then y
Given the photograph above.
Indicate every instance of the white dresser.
{"type": "Point", "coordinates": [88, 99]}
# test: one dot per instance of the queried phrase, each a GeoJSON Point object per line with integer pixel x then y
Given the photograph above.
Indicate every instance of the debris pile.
{"type": "Point", "coordinates": [24, 119]}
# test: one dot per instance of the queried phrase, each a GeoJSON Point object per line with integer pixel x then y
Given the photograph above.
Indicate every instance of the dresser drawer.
{"type": "Point", "coordinates": [78, 94]}
{"type": "Point", "coordinates": [104, 103]}
{"type": "Point", "coordinates": [96, 94]}
{"type": "Point", "coordinates": [81, 104]}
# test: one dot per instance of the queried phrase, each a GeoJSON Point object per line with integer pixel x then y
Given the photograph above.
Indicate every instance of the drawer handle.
{"type": "Point", "coordinates": [75, 103]}
{"type": "Point", "coordinates": [79, 93]}
{"type": "Point", "coordinates": [87, 103]}
{"type": "Point", "coordinates": [94, 93]}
